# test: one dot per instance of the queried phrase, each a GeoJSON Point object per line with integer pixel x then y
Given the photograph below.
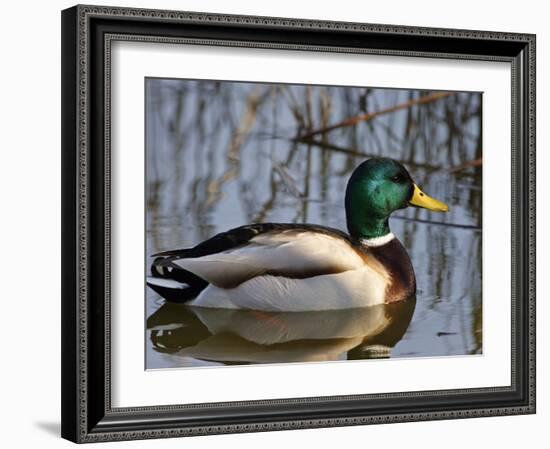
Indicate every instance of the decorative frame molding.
{"type": "Point", "coordinates": [87, 34]}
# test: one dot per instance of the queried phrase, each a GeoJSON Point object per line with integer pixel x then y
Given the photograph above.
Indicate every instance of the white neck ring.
{"type": "Point", "coordinates": [378, 241]}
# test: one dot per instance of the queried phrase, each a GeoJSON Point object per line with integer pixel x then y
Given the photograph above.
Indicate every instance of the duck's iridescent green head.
{"type": "Point", "coordinates": [378, 187]}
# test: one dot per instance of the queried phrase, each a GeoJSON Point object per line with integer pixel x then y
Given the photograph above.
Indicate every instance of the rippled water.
{"type": "Point", "coordinates": [220, 155]}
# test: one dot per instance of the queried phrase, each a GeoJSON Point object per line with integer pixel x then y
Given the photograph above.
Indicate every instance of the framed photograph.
{"type": "Point", "coordinates": [277, 224]}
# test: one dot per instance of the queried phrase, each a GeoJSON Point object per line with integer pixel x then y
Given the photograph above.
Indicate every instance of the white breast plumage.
{"type": "Point", "coordinates": [360, 287]}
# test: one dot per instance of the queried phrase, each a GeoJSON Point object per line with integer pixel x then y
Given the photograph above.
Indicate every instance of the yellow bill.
{"type": "Point", "coordinates": [420, 199]}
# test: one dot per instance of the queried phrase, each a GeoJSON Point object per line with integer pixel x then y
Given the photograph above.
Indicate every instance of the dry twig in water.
{"type": "Point", "coordinates": [365, 117]}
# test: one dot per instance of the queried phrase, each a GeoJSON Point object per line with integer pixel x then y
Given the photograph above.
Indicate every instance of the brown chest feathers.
{"type": "Point", "coordinates": [394, 260]}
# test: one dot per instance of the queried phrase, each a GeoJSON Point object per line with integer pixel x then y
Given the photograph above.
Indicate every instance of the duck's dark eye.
{"type": "Point", "coordinates": [398, 178]}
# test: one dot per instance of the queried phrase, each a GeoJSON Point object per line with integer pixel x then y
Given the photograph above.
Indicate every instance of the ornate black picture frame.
{"type": "Point", "coordinates": [87, 34]}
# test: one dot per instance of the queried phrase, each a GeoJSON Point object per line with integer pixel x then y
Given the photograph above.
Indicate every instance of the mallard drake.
{"type": "Point", "coordinates": [304, 267]}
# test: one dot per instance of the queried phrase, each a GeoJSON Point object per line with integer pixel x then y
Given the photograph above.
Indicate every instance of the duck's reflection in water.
{"type": "Point", "coordinates": [237, 337]}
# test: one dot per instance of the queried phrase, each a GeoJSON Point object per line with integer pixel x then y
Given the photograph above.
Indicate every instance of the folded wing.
{"type": "Point", "coordinates": [290, 253]}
